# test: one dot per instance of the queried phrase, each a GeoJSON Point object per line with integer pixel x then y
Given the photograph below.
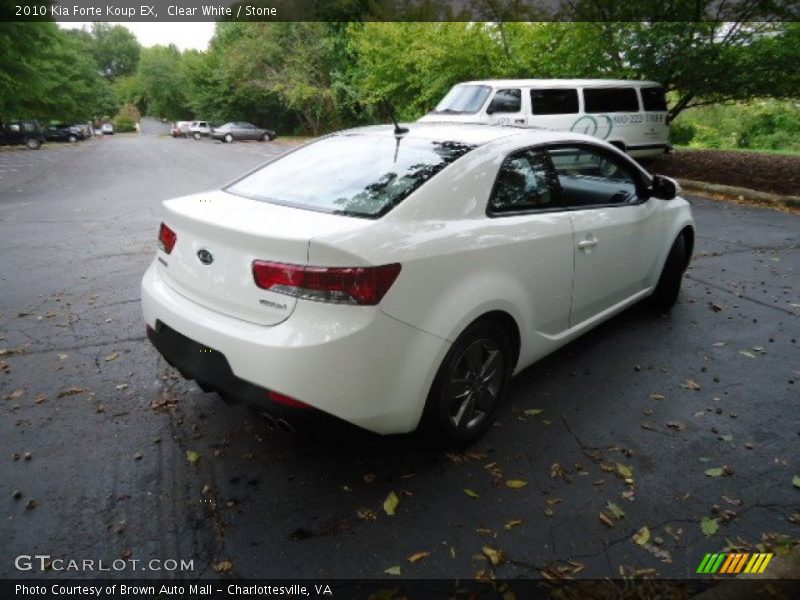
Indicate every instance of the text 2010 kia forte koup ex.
{"type": "Point", "coordinates": [392, 277]}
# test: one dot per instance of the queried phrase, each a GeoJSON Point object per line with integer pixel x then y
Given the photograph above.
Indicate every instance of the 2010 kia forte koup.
{"type": "Point", "coordinates": [392, 277]}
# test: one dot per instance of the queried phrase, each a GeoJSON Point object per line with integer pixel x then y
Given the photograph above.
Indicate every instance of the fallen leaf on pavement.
{"type": "Point", "coordinates": [516, 484]}
{"type": "Point", "coordinates": [112, 356]}
{"type": "Point", "coordinates": [192, 456]}
{"type": "Point", "coordinates": [418, 556]}
{"type": "Point", "coordinates": [71, 391]}
{"type": "Point", "coordinates": [512, 523]}
{"type": "Point", "coordinates": [15, 394]}
{"type": "Point", "coordinates": [709, 526]}
{"type": "Point", "coordinates": [657, 397]}
{"type": "Point", "coordinates": [614, 510]}
{"type": "Point", "coordinates": [715, 472]}
{"type": "Point", "coordinates": [39, 398]}
{"type": "Point", "coordinates": [532, 412]}
{"type": "Point", "coordinates": [471, 493]}
{"type": "Point", "coordinates": [223, 566]}
{"type": "Point", "coordinates": [494, 555]}
{"type": "Point", "coordinates": [747, 354]}
{"type": "Point", "coordinates": [796, 481]}
{"type": "Point", "coordinates": [391, 503]}
{"type": "Point", "coordinates": [393, 570]}
{"type": "Point", "coordinates": [642, 536]}
{"type": "Point", "coordinates": [690, 384]}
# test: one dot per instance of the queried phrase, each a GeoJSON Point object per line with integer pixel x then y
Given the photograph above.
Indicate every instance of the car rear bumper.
{"type": "Point", "coordinates": [353, 362]}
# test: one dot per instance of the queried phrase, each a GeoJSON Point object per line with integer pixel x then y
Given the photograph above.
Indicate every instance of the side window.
{"type": "Point", "coordinates": [590, 177]}
{"type": "Point", "coordinates": [505, 101]}
{"type": "Point", "coordinates": [554, 102]}
{"type": "Point", "coordinates": [653, 99]}
{"type": "Point", "coordinates": [525, 182]}
{"type": "Point", "coordinates": [607, 99]}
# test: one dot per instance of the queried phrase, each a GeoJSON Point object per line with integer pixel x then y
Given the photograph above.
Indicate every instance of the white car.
{"type": "Point", "coordinates": [200, 129]}
{"type": "Point", "coordinates": [392, 277]}
{"type": "Point", "coordinates": [107, 129]}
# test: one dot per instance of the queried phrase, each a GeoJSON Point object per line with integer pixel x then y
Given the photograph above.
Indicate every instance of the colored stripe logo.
{"type": "Point", "coordinates": [733, 563]}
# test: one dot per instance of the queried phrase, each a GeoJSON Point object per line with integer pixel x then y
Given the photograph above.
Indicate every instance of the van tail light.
{"type": "Point", "coordinates": [166, 238]}
{"type": "Point", "coordinates": [343, 285]}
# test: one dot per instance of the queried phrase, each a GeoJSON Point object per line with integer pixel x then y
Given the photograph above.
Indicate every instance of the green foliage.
{"type": "Point", "coordinates": [127, 118]}
{"type": "Point", "coordinates": [115, 50]}
{"type": "Point", "coordinates": [164, 80]}
{"type": "Point", "coordinates": [757, 125]}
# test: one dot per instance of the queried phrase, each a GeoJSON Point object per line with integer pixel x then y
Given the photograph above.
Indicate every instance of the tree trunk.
{"type": "Point", "coordinates": [680, 105]}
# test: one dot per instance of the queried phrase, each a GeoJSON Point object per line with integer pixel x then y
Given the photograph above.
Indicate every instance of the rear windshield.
{"type": "Point", "coordinates": [463, 99]}
{"type": "Point", "coordinates": [356, 175]}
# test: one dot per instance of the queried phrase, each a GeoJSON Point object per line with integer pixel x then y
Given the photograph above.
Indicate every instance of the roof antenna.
{"type": "Point", "coordinates": [390, 109]}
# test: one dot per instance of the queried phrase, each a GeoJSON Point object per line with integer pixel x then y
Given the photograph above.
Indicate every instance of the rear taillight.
{"type": "Point", "coordinates": [344, 285]}
{"type": "Point", "coordinates": [286, 400]}
{"type": "Point", "coordinates": [166, 238]}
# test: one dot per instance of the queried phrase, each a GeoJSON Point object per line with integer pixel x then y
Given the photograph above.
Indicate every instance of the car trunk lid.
{"type": "Point", "coordinates": [219, 235]}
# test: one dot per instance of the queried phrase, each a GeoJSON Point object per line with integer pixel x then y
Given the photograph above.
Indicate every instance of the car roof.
{"type": "Point", "coordinates": [556, 83]}
{"type": "Point", "coordinates": [475, 134]}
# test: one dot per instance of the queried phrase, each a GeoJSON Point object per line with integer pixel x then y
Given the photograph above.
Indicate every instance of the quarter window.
{"type": "Point", "coordinates": [505, 101]}
{"type": "Point", "coordinates": [589, 177]}
{"type": "Point", "coordinates": [525, 182]}
{"type": "Point", "coordinates": [554, 102]}
{"type": "Point", "coordinates": [608, 99]}
{"type": "Point", "coordinates": [653, 99]}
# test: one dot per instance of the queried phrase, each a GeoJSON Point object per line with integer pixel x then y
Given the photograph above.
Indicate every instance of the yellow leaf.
{"type": "Point", "coordinates": [418, 556]}
{"type": "Point", "coordinates": [516, 484]}
{"type": "Point", "coordinates": [625, 471]}
{"type": "Point", "coordinates": [494, 555]}
{"type": "Point", "coordinates": [112, 356]}
{"type": "Point", "coordinates": [192, 456]}
{"type": "Point", "coordinates": [512, 523]}
{"type": "Point", "coordinates": [642, 536]}
{"type": "Point", "coordinates": [471, 493]}
{"type": "Point", "coordinates": [532, 412]}
{"type": "Point", "coordinates": [393, 570]}
{"type": "Point", "coordinates": [223, 566]}
{"type": "Point", "coordinates": [391, 503]}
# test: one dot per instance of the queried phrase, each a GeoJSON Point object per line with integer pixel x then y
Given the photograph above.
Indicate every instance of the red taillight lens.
{"type": "Point", "coordinates": [166, 238]}
{"type": "Point", "coordinates": [345, 285]}
{"type": "Point", "coordinates": [287, 400]}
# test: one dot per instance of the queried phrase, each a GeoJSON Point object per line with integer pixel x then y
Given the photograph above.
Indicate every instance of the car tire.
{"type": "Point", "coordinates": [666, 293]}
{"type": "Point", "coordinates": [470, 385]}
{"type": "Point", "coordinates": [228, 138]}
{"type": "Point", "coordinates": [72, 139]}
{"type": "Point", "coordinates": [265, 137]}
{"type": "Point", "coordinates": [33, 143]}
{"type": "Point", "coordinates": [196, 135]}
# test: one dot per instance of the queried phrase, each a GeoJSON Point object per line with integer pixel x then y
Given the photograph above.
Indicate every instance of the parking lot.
{"type": "Point", "coordinates": [686, 425]}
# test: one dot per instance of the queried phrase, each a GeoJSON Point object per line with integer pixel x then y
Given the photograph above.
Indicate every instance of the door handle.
{"type": "Point", "coordinates": [591, 243]}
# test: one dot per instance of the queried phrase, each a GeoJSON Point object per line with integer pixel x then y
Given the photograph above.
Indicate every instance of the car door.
{"type": "Point", "coordinates": [615, 227]}
{"type": "Point", "coordinates": [535, 242]}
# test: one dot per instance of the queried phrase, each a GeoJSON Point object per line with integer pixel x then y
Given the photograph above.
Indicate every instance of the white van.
{"type": "Point", "coordinates": [629, 114]}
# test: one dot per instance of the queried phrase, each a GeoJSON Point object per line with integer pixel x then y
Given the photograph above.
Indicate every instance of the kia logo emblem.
{"type": "Point", "coordinates": [205, 256]}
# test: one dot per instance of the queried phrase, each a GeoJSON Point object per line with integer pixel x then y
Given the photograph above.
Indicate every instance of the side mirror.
{"type": "Point", "coordinates": [663, 188]}
{"type": "Point", "coordinates": [490, 109]}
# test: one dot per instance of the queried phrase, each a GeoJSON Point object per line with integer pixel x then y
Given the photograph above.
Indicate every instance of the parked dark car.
{"type": "Point", "coordinates": [241, 131]}
{"type": "Point", "coordinates": [60, 132]}
{"type": "Point", "coordinates": [21, 132]}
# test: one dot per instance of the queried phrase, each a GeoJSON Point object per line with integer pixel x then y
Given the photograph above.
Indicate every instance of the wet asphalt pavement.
{"type": "Point", "coordinates": [657, 422]}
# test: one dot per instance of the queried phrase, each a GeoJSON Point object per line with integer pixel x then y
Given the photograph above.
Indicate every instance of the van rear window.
{"type": "Point", "coordinates": [554, 101]}
{"type": "Point", "coordinates": [608, 99]}
{"type": "Point", "coordinates": [653, 99]}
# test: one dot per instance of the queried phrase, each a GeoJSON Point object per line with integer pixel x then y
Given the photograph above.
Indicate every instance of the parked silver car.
{"type": "Point", "coordinates": [241, 131]}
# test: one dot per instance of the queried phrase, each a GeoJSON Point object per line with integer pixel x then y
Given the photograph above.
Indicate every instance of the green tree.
{"type": "Point", "coordinates": [164, 81]}
{"type": "Point", "coordinates": [115, 49]}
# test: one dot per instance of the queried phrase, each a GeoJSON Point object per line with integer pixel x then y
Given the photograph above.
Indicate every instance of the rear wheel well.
{"type": "Point", "coordinates": [509, 325]}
